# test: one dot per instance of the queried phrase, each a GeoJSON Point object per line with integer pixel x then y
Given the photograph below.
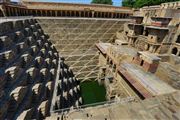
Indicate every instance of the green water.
{"type": "Point", "coordinates": [92, 92]}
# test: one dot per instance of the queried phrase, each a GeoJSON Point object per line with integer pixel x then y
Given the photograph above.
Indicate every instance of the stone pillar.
{"type": "Point", "coordinates": [79, 13]}
{"type": "Point", "coordinates": [111, 15]}
{"type": "Point", "coordinates": [65, 13]}
{"type": "Point", "coordinates": [51, 13]}
{"type": "Point", "coordinates": [92, 14]}
{"type": "Point", "coordinates": [41, 12]}
{"type": "Point", "coordinates": [100, 14]}
{"type": "Point", "coordinates": [60, 13]}
{"type": "Point", "coordinates": [46, 12]}
{"type": "Point", "coordinates": [55, 13]}
{"type": "Point", "coordinates": [70, 13]}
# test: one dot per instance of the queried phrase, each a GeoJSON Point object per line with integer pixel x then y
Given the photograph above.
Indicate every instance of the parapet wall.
{"type": "Point", "coordinates": [32, 8]}
{"type": "Point", "coordinates": [28, 65]}
{"type": "Point", "coordinates": [75, 39]}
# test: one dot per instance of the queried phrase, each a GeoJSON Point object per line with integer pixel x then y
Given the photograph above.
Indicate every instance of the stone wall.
{"type": "Point", "coordinates": [52, 9]}
{"type": "Point", "coordinates": [75, 39]}
{"type": "Point", "coordinates": [28, 65]}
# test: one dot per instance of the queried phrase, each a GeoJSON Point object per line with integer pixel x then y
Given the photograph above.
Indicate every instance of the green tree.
{"type": "Point", "coordinates": [141, 3]}
{"type": "Point", "coordinates": [128, 3]}
{"type": "Point", "coordinates": [102, 2]}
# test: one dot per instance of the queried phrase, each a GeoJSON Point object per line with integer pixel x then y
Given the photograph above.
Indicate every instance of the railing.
{"type": "Point", "coordinates": [14, 18]}
{"type": "Point", "coordinates": [99, 105]}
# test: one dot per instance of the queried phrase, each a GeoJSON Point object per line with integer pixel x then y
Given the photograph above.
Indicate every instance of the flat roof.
{"type": "Point", "coordinates": [103, 47]}
{"type": "Point", "coordinates": [121, 42]}
{"type": "Point", "coordinates": [125, 50]}
{"type": "Point", "coordinates": [151, 82]}
{"type": "Point", "coordinates": [75, 6]}
{"type": "Point", "coordinates": [81, 4]}
{"type": "Point", "coordinates": [149, 56]}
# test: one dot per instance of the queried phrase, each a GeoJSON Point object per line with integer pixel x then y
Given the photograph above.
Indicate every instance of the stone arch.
{"type": "Point", "coordinates": [90, 14]}
{"type": "Point", "coordinates": [34, 13]}
{"type": "Point", "coordinates": [44, 13]}
{"type": "Point", "coordinates": [174, 51]}
{"type": "Point", "coordinates": [53, 13]}
{"type": "Point", "coordinates": [86, 14]}
{"type": "Point", "coordinates": [77, 13]}
{"type": "Point", "coordinates": [48, 13]}
{"type": "Point", "coordinates": [117, 15]}
{"type": "Point", "coordinates": [95, 14]}
{"type": "Point", "coordinates": [63, 13]}
{"type": "Point", "coordinates": [82, 13]}
{"type": "Point", "coordinates": [99, 14]}
{"type": "Point", "coordinates": [73, 13]}
{"type": "Point", "coordinates": [106, 14]}
{"type": "Point", "coordinates": [38, 13]}
{"type": "Point", "coordinates": [114, 15]}
{"type": "Point", "coordinates": [102, 15]}
{"type": "Point", "coordinates": [68, 13]}
{"type": "Point", "coordinates": [58, 13]}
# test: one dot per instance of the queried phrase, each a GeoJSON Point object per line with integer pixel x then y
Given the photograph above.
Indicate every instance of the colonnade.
{"type": "Point", "coordinates": [16, 11]}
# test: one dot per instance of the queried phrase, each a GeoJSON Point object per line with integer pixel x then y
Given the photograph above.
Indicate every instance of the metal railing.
{"type": "Point", "coordinates": [99, 105]}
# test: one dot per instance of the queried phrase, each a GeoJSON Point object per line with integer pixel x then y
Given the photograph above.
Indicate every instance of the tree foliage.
{"type": "Point", "coordinates": [128, 3]}
{"type": "Point", "coordinates": [102, 2]}
{"type": "Point", "coordinates": [141, 3]}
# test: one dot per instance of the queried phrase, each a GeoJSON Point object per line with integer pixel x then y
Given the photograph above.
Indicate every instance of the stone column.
{"type": "Point", "coordinates": [56, 13]}
{"type": "Point", "coordinates": [65, 13]}
{"type": "Point", "coordinates": [111, 15]}
{"type": "Point", "coordinates": [79, 13]}
{"type": "Point", "coordinates": [92, 14]}
{"type": "Point", "coordinates": [101, 14]}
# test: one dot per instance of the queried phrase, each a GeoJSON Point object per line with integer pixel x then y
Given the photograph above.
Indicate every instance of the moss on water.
{"type": "Point", "coordinates": [92, 92]}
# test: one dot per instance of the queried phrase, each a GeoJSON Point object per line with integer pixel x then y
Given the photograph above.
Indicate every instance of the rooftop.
{"type": "Point", "coordinates": [148, 80]}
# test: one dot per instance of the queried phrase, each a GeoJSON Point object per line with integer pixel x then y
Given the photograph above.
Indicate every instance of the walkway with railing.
{"type": "Point", "coordinates": [99, 105]}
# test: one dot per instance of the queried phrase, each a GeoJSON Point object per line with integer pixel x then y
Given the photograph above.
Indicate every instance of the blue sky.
{"type": "Point", "coordinates": [116, 2]}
